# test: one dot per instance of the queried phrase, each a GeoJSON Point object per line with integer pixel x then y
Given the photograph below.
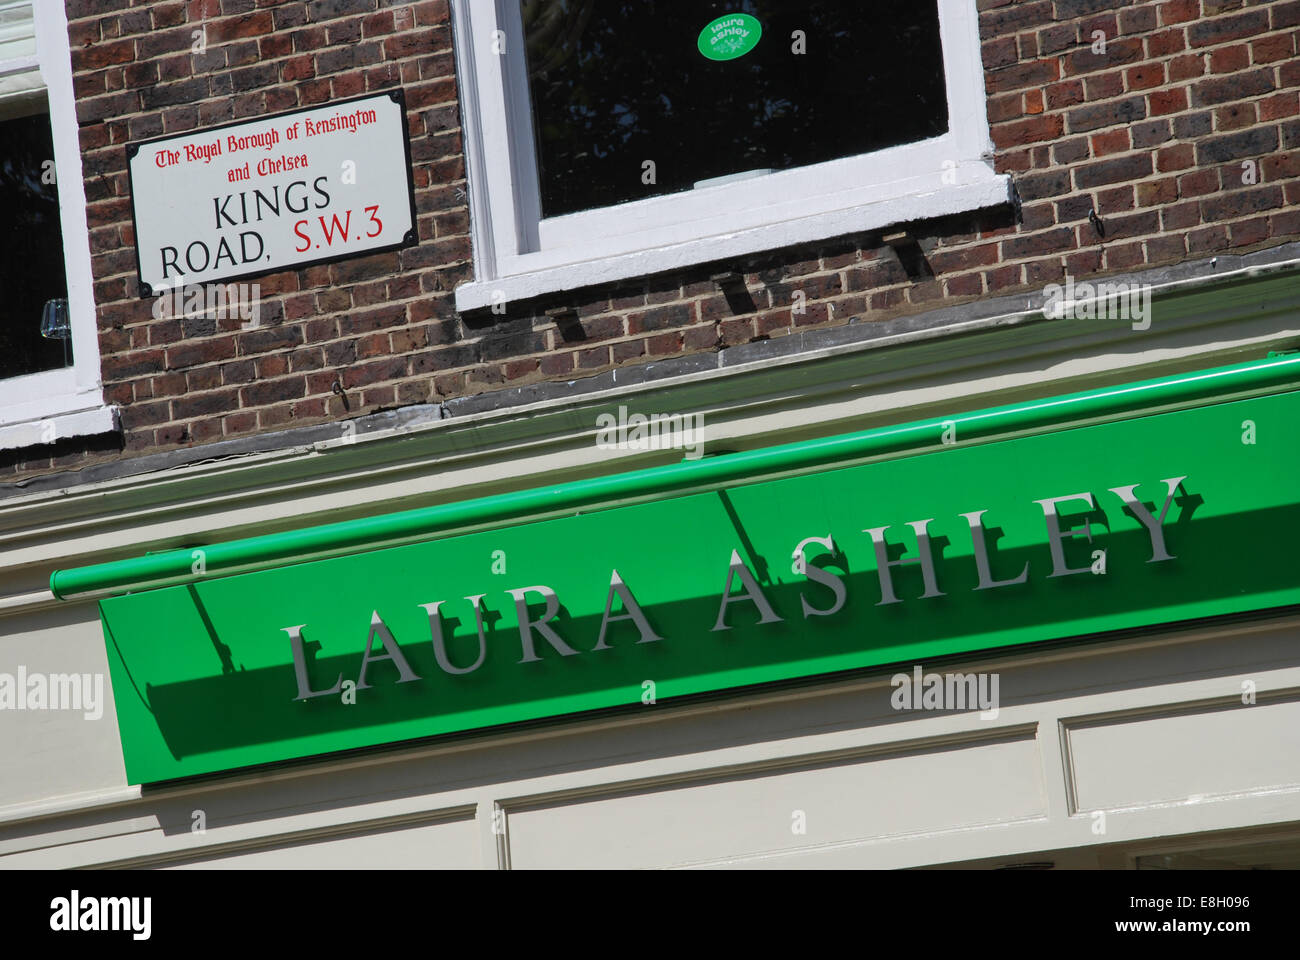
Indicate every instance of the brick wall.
{"type": "Point", "coordinates": [1143, 138]}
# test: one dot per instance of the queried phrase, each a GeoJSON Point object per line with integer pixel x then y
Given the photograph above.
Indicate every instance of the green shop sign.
{"type": "Point", "coordinates": [730, 37]}
{"type": "Point", "coordinates": [1042, 521]}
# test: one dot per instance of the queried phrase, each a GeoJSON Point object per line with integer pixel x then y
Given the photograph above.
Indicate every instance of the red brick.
{"type": "Point", "coordinates": [1032, 130]}
{"type": "Point", "coordinates": [966, 285]}
{"type": "Point", "coordinates": [1065, 94]}
{"type": "Point", "coordinates": [192, 353]}
{"type": "Point", "coordinates": [1104, 86]}
{"type": "Point", "coordinates": [1157, 192]}
{"type": "Point", "coordinates": [1284, 224]}
{"type": "Point", "coordinates": [1179, 11]}
{"type": "Point", "coordinates": [1249, 232]}
{"type": "Point", "coordinates": [1234, 116]}
{"type": "Point", "coordinates": [1164, 102]}
{"type": "Point", "coordinates": [1186, 67]}
{"type": "Point", "coordinates": [101, 55]}
{"type": "Point", "coordinates": [1179, 156]}
{"type": "Point", "coordinates": [1272, 49]}
{"type": "Point", "coordinates": [1123, 256]}
{"type": "Point", "coordinates": [1285, 104]}
{"type": "Point", "coordinates": [1166, 42]}
{"type": "Point", "coordinates": [1112, 141]}
{"type": "Point", "coordinates": [1230, 59]}
{"type": "Point", "coordinates": [1198, 184]}
{"type": "Point", "coordinates": [1281, 166]}
{"type": "Point", "coordinates": [1223, 89]}
{"type": "Point", "coordinates": [1166, 249]}
{"type": "Point", "coordinates": [1145, 77]}
{"type": "Point", "coordinates": [1207, 239]}
{"type": "Point", "coordinates": [1034, 73]}
{"type": "Point", "coordinates": [1216, 30]}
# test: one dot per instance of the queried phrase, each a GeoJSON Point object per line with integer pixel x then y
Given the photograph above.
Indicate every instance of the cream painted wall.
{"type": "Point", "coordinates": [1105, 726]}
{"type": "Point", "coordinates": [46, 754]}
{"type": "Point", "coordinates": [1104, 746]}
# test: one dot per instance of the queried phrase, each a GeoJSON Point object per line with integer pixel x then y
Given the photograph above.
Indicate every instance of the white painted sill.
{"type": "Point", "coordinates": [981, 190]}
{"type": "Point", "coordinates": [88, 422]}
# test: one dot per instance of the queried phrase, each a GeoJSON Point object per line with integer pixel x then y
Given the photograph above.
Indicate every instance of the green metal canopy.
{"type": "Point", "coordinates": [1134, 399]}
{"type": "Point", "coordinates": [1152, 503]}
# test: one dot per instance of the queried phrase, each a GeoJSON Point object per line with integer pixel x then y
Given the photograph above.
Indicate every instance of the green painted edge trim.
{"type": "Point", "coordinates": [238, 556]}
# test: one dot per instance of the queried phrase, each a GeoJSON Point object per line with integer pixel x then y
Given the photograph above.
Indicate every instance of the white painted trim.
{"type": "Point", "coordinates": [523, 145]}
{"type": "Point", "coordinates": [19, 65]}
{"type": "Point", "coordinates": [482, 239]}
{"type": "Point", "coordinates": [517, 255]}
{"type": "Point", "coordinates": [73, 803]}
{"type": "Point", "coordinates": [984, 191]}
{"type": "Point", "coordinates": [485, 121]}
{"type": "Point", "coordinates": [35, 396]}
{"type": "Point", "coordinates": [16, 30]}
{"type": "Point", "coordinates": [54, 427]}
{"type": "Point", "coordinates": [78, 389]}
{"type": "Point", "coordinates": [963, 67]}
{"type": "Point", "coordinates": [888, 180]}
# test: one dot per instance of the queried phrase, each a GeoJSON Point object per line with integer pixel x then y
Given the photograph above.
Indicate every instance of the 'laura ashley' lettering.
{"type": "Point", "coordinates": [743, 598]}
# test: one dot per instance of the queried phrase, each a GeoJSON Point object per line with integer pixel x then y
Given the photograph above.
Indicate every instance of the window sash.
{"type": "Point", "coordinates": [17, 31]}
{"type": "Point", "coordinates": [746, 204]}
{"type": "Point", "coordinates": [511, 238]}
{"type": "Point", "coordinates": [20, 68]}
{"type": "Point", "coordinates": [51, 393]}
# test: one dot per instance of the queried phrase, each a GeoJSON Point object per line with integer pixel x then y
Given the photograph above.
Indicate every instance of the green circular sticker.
{"type": "Point", "coordinates": [731, 36]}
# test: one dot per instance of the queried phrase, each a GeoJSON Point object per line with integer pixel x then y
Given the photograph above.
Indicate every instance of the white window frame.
{"type": "Point", "coordinates": [40, 408]}
{"type": "Point", "coordinates": [518, 255]}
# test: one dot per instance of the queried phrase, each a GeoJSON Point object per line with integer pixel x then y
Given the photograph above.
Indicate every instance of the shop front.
{"type": "Point", "coordinates": [1054, 632]}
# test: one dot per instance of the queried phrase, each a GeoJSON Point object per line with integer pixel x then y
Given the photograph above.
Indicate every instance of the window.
{"type": "Point", "coordinates": [49, 357]}
{"type": "Point", "coordinates": [612, 83]}
{"type": "Point", "coordinates": [608, 139]}
{"type": "Point", "coordinates": [31, 246]}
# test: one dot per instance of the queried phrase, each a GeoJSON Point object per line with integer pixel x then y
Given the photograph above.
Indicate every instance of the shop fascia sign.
{"type": "Point", "coordinates": [707, 575]}
{"type": "Point", "coordinates": [537, 626]}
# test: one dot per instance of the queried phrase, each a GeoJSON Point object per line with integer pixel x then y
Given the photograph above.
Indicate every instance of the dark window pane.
{"type": "Point", "coordinates": [31, 244]}
{"type": "Point", "coordinates": [615, 83]}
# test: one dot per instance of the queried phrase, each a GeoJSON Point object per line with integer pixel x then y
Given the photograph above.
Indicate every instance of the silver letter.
{"type": "Point", "coordinates": [392, 652]}
{"type": "Point", "coordinates": [752, 592]}
{"type": "Point", "coordinates": [526, 626]}
{"type": "Point", "coordinates": [1155, 528]}
{"type": "Point", "coordinates": [1059, 569]}
{"type": "Point", "coordinates": [982, 554]}
{"type": "Point", "coordinates": [616, 585]}
{"type": "Point", "coordinates": [440, 645]}
{"type": "Point", "coordinates": [923, 557]}
{"type": "Point", "coordinates": [305, 691]}
{"type": "Point", "coordinates": [818, 575]}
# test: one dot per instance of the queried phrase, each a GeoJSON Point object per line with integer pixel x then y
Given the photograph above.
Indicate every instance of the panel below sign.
{"type": "Point", "coordinates": [1119, 525]}
{"type": "Point", "coordinates": [257, 196]}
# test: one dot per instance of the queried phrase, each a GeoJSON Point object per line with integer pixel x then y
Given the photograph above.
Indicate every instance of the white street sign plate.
{"type": "Point", "coordinates": [291, 190]}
